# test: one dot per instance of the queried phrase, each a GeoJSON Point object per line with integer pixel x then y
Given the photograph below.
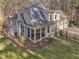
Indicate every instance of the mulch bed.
{"type": "Point", "coordinates": [35, 46]}
{"type": "Point", "coordinates": [2, 33]}
{"type": "Point", "coordinates": [30, 45]}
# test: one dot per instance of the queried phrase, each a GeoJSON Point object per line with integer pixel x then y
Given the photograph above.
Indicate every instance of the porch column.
{"type": "Point", "coordinates": [30, 32]}
{"type": "Point", "coordinates": [46, 32]}
{"type": "Point", "coordinates": [51, 29]}
{"type": "Point", "coordinates": [40, 33]}
{"type": "Point", "coordinates": [10, 22]}
{"type": "Point", "coordinates": [19, 30]}
{"type": "Point", "coordinates": [24, 30]}
{"type": "Point", "coordinates": [46, 29]}
{"type": "Point", "coordinates": [34, 35]}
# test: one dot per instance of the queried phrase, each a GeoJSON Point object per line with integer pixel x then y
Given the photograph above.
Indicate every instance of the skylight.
{"type": "Point", "coordinates": [36, 9]}
{"type": "Point", "coordinates": [33, 20]}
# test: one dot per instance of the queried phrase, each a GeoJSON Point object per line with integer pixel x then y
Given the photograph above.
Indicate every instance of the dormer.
{"type": "Point", "coordinates": [13, 17]}
{"type": "Point", "coordinates": [54, 17]}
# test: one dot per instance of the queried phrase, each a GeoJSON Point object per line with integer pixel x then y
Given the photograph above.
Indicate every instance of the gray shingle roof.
{"type": "Point", "coordinates": [35, 16]}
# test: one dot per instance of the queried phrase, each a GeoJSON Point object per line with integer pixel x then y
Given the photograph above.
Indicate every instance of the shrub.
{"type": "Point", "coordinates": [61, 33]}
{"type": "Point", "coordinates": [22, 39]}
{"type": "Point", "coordinates": [50, 40]}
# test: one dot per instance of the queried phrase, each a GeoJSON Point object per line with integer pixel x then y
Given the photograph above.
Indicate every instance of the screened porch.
{"type": "Point", "coordinates": [37, 34]}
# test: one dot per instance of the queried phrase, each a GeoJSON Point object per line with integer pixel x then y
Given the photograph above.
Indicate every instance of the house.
{"type": "Point", "coordinates": [36, 23]}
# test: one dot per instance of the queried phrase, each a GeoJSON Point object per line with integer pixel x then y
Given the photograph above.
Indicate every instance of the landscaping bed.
{"type": "Point", "coordinates": [36, 46]}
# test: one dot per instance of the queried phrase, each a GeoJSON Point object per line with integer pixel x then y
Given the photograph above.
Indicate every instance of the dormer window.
{"type": "Point", "coordinates": [54, 16]}
{"type": "Point", "coordinates": [50, 17]}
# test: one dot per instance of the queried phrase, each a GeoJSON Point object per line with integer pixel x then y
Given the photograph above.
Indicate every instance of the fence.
{"type": "Point", "coordinates": [71, 35]}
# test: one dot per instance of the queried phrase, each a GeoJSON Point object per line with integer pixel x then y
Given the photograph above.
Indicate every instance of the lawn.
{"type": "Point", "coordinates": [56, 49]}
{"type": "Point", "coordinates": [1, 22]}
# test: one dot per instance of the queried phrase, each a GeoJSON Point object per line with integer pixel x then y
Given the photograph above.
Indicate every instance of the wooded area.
{"type": "Point", "coordinates": [70, 7]}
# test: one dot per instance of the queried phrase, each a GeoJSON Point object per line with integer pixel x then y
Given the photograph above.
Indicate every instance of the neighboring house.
{"type": "Point", "coordinates": [36, 23]}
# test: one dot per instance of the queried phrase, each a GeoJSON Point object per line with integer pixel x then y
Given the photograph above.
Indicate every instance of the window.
{"type": "Point", "coordinates": [9, 22]}
{"type": "Point", "coordinates": [29, 32]}
{"type": "Point", "coordinates": [43, 32]}
{"type": "Point", "coordinates": [16, 34]}
{"type": "Point", "coordinates": [13, 22]}
{"type": "Point", "coordinates": [48, 29]}
{"type": "Point", "coordinates": [32, 34]}
{"type": "Point", "coordinates": [55, 16]}
{"type": "Point", "coordinates": [22, 29]}
{"type": "Point", "coordinates": [53, 28]}
{"type": "Point", "coordinates": [19, 22]}
{"type": "Point", "coordinates": [50, 17]}
{"type": "Point", "coordinates": [37, 34]}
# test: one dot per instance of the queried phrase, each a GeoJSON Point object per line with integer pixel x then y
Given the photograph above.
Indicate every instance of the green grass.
{"type": "Point", "coordinates": [1, 22]}
{"type": "Point", "coordinates": [56, 49]}
{"type": "Point", "coordinates": [2, 40]}
{"type": "Point", "coordinates": [61, 50]}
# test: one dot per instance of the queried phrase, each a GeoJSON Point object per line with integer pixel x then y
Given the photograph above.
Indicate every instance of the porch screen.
{"type": "Point", "coordinates": [37, 34]}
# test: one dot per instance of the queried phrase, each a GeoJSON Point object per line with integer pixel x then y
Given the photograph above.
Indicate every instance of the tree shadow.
{"type": "Point", "coordinates": [19, 52]}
